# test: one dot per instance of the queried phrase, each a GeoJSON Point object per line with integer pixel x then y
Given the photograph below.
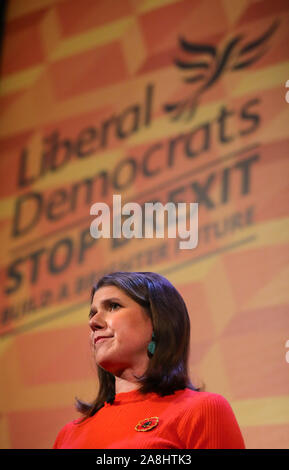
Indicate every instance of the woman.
{"type": "Point", "coordinates": [140, 335]}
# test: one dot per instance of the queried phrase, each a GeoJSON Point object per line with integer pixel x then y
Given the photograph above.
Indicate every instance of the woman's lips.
{"type": "Point", "coordinates": [101, 338]}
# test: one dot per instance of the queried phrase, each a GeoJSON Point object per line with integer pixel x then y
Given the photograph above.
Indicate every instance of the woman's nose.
{"type": "Point", "coordinates": [97, 322]}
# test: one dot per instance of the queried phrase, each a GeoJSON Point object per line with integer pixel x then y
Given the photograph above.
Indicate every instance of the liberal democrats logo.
{"type": "Point", "coordinates": [205, 64]}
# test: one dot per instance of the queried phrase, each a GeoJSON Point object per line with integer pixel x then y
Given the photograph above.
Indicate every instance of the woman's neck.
{"type": "Point", "coordinates": [122, 385]}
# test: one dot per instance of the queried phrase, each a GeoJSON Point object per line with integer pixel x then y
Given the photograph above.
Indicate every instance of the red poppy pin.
{"type": "Point", "coordinates": [147, 424]}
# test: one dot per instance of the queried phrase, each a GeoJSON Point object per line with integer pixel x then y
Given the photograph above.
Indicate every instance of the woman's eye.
{"type": "Point", "coordinates": [114, 305]}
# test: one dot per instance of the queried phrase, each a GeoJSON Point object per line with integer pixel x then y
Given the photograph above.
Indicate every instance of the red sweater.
{"type": "Point", "coordinates": [184, 420]}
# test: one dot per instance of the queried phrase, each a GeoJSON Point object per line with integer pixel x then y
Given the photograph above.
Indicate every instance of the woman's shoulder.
{"type": "Point", "coordinates": [207, 420]}
{"type": "Point", "coordinates": [206, 401]}
{"type": "Point", "coordinates": [65, 431]}
{"type": "Point", "coordinates": [189, 393]}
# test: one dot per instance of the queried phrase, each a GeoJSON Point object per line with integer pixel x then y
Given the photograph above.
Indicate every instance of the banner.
{"type": "Point", "coordinates": [156, 102]}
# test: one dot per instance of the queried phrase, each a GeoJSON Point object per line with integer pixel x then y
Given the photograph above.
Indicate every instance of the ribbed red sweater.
{"type": "Point", "coordinates": [186, 420]}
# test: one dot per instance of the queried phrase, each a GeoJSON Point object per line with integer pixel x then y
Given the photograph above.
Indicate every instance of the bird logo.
{"type": "Point", "coordinates": [206, 64]}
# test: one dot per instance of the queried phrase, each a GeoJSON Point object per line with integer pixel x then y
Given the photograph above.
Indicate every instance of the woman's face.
{"type": "Point", "coordinates": [120, 331]}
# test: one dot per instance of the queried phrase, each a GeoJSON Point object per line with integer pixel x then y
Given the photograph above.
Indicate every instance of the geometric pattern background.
{"type": "Point", "coordinates": [83, 92]}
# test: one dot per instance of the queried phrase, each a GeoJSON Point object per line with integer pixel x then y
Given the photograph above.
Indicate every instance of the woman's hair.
{"type": "Point", "coordinates": [168, 367]}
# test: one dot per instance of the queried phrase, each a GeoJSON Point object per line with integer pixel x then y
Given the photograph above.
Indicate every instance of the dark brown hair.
{"type": "Point", "coordinates": [168, 367]}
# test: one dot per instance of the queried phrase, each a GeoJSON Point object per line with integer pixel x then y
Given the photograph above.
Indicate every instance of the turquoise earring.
{"type": "Point", "coordinates": [152, 345]}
